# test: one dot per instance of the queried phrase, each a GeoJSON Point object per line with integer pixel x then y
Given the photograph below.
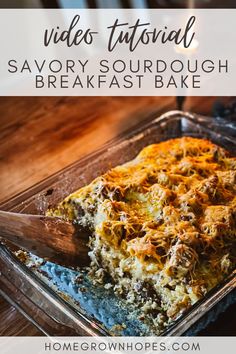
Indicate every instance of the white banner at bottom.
{"type": "Point", "coordinates": [133, 345]}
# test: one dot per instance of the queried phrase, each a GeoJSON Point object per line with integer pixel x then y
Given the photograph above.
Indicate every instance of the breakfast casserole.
{"type": "Point", "coordinates": [162, 226]}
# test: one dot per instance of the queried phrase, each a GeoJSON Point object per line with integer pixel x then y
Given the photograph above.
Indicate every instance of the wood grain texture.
{"type": "Point", "coordinates": [12, 323]}
{"type": "Point", "coordinates": [41, 135]}
{"type": "Point", "coordinates": [52, 238]}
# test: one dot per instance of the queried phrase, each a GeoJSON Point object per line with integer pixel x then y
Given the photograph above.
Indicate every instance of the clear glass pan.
{"type": "Point", "coordinates": [53, 311]}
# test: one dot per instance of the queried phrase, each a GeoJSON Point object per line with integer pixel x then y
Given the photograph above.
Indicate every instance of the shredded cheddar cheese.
{"type": "Point", "coordinates": [165, 221]}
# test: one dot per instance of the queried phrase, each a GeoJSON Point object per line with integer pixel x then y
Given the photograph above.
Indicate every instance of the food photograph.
{"type": "Point", "coordinates": [117, 212]}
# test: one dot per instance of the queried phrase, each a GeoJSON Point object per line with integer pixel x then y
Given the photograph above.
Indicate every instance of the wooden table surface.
{"type": "Point", "coordinates": [41, 135]}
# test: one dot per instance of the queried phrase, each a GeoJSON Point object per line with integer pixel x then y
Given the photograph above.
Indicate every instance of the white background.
{"type": "Point", "coordinates": [22, 32]}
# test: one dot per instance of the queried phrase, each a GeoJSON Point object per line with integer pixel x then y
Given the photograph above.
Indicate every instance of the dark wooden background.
{"type": "Point", "coordinates": [41, 135]}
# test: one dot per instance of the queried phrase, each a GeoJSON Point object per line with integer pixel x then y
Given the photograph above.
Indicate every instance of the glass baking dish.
{"type": "Point", "coordinates": [50, 296]}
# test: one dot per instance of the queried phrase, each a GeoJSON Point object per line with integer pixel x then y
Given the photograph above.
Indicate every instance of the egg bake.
{"type": "Point", "coordinates": [162, 226]}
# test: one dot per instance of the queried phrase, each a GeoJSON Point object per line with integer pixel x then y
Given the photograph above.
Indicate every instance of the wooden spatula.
{"type": "Point", "coordinates": [51, 238]}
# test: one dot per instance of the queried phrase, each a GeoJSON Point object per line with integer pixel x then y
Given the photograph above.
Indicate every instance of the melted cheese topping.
{"type": "Point", "coordinates": [166, 218]}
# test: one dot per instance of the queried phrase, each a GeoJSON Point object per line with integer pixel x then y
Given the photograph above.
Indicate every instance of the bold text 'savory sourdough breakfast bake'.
{"type": "Point", "coordinates": [163, 226]}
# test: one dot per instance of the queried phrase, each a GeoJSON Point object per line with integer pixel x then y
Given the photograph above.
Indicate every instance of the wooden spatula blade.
{"type": "Point", "coordinates": [51, 238]}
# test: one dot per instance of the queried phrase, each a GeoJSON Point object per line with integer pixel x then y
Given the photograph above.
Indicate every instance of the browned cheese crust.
{"type": "Point", "coordinates": [163, 225]}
